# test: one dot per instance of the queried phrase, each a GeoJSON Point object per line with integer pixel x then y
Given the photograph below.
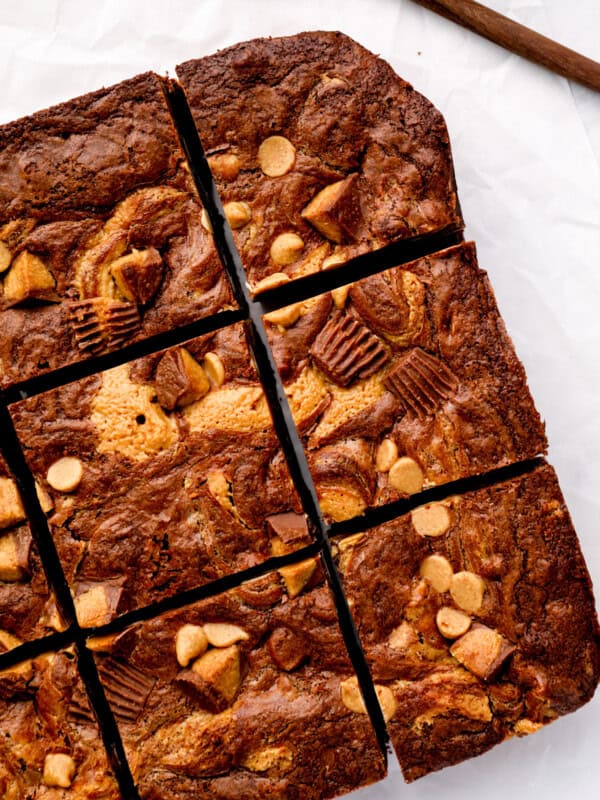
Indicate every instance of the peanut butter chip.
{"type": "Point", "coordinates": [467, 589]}
{"type": "Point", "coordinates": [271, 282]}
{"type": "Point", "coordinates": [213, 366]}
{"type": "Point", "coordinates": [223, 634]}
{"type": "Point", "coordinates": [276, 156]}
{"type": "Point", "coordinates": [431, 520]}
{"type": "Point", "coordinates": [65, 474]}
{"type": "Point", "coordinates": [387, 455]}
{"type": "Point", "coordinates": [405, 476]}
{"type": "Point", "coordinates": [437, 571]}
{"type": "Point", "coordinates": [340, 295]}
{"type": "Point", "coordinates": [238, 214]}
{"type": "Point", "coordinates": [225, 165]}
{"type": "Point", "coordinates": [286, 248]}
{"type": "Point", "coordinates": [387, 701]}
{"type": "Point", "coordinates": [190, 642]}
{"type": "Point", "coordinates": [59, 770]}
{"type": "Point", "coordinates": [285, 316]}
{"type": "Point", "coordinates": [451, 622]}
{"type": "Point", "coordinates": [352, 696]}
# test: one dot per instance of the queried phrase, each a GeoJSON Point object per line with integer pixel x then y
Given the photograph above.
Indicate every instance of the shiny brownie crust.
{"type": "Point", "coordinates": [347, 121]}
{"type": "Point", "coordinates": [403, 380]}
{"type": "Point", "coordinates": [101, 242]}
{"type": "Point", "coordinates": [241, 695]}
{"type": "Point", "coordinates": [175, 489]}
{"type": "Point", "coordinates": [532, 652]}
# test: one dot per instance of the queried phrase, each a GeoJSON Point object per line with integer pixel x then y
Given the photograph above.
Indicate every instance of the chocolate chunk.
{"type": "Point", "coordinates": [127, 689]}
{"type": "Point", "coordinates": [180, 380]}
{"type": "Point", "coordinates": [346, 350]}
{"type": "Point", "coordinates": [421, 382]}
{"type": "Point", "coordinates": [291, 528]}
{"type": "Point", "coordinates": [287, 649]}
{"type": "Point", "coordinates": [102, 325]}
{"type": "Point", "coordinates": [138, 275]}
{"type": "Point", "coordinates": [201, 691]}
{"type": "Point", "coordinates": [335, 211]}
{"type": "Point", "coordinates": [380, 301]}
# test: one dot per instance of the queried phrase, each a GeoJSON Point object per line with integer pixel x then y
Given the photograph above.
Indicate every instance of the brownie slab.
{"type": "Point", "coordinates": [101, 242]}
{"type": "Point", "coordinates": [26, 608]}
{"type": "Point", "coordinates": [51, 747]}
{"type": "Point", "coordinates": [165, 473]}
{"type": "Point", "coordinates": [319, 150]}
{"type": "Point", "coordinates": [404, 380]}
{"type": "Point", "coordinates": [242, 695]}
{"type": "Point", "coordinates": [478, 614]}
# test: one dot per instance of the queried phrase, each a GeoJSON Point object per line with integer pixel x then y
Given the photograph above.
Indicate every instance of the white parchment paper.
{"type": "Point", "coordinates": [527, 152]}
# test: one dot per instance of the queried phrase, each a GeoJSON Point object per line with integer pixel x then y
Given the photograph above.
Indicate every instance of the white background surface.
{"type": "Point", "coordinates": [527, 153]}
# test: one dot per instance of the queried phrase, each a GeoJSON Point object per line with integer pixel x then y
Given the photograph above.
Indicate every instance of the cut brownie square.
{"type": "Point", "coordinates": [478, 615]}
{"type": "Point", "coordinates": [243, 695]}
{"type": "Point", "coordinates": [320, 152]}
{"type": "Point", "coordinates": [26, 608]}
{"type": "Point", "coordinates": [101, 242]}
{"type": "Point", "coordinates": [51, 747]}
{"type": "Point", "coordinates": [403, 380]}
{"type": "Point", "coordinates": [165, 473]}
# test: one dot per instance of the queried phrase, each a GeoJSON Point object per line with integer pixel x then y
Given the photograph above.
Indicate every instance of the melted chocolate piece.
{"type": "Point", "coordinates": [346, 350]}
{"type": "Point", "coordinates": [421, 382]}
{"type": "Point", "coordinates": [127, 689]}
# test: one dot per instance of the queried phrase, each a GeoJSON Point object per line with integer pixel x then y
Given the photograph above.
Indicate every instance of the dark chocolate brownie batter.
{"type": "Point", "coordinates": [319, 150]}
{"type": "Point", "coordinates": [245, 695]}
{"type": "Point", "coordinates": [165, 473]}
{"type": "Point", "coordinates": [478, 614]}
{"type": "Point", "coordinates": [50, 747]}
{"type": "Point", "coordinates": [404, 380]}
{"type": "Point", "coordinates": [101, 242]}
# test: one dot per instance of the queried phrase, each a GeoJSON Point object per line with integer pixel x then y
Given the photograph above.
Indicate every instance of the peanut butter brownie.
{"type": "Point", "coordinates": [248, 694]}
{"type": "Point", "coordinates": [101, 242]}
{"type": "Point", "coordinates": [403, 380]}
{"type": "Point", "coordinates": [164, 472]}
{"type": "Point", "coordinates": [477, 614]}
{"type": "Point", "coordinates": [26, 608]}
{"type": "Point", "coordinates": [320, 152]}
{"type": "Point", "coordinates": [50, 747]}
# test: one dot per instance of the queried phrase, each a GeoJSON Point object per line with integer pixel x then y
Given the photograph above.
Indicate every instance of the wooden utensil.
{"type": "Point", "coordinates": [519, 39]}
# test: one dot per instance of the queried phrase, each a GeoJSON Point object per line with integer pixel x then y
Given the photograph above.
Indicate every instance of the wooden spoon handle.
{"type": "Point", "coordinates": [519, 39]}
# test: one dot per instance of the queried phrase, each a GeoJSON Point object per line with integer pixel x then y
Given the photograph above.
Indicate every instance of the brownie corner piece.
{"type": "Point", "coordinates": [165, 473]}
{"type": "Point", "coordinates": [478, 614]}
{"type": "Point", "coordinates": [327, 150]}
{"type": "Point", "coordinates": [404, 380]}
{"type": "Point", "coordinates": [101, 235]}
{"type": "Point", "coordinates": [249, 693]}
{"type": "Point", "coordinates": [51, 744]}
